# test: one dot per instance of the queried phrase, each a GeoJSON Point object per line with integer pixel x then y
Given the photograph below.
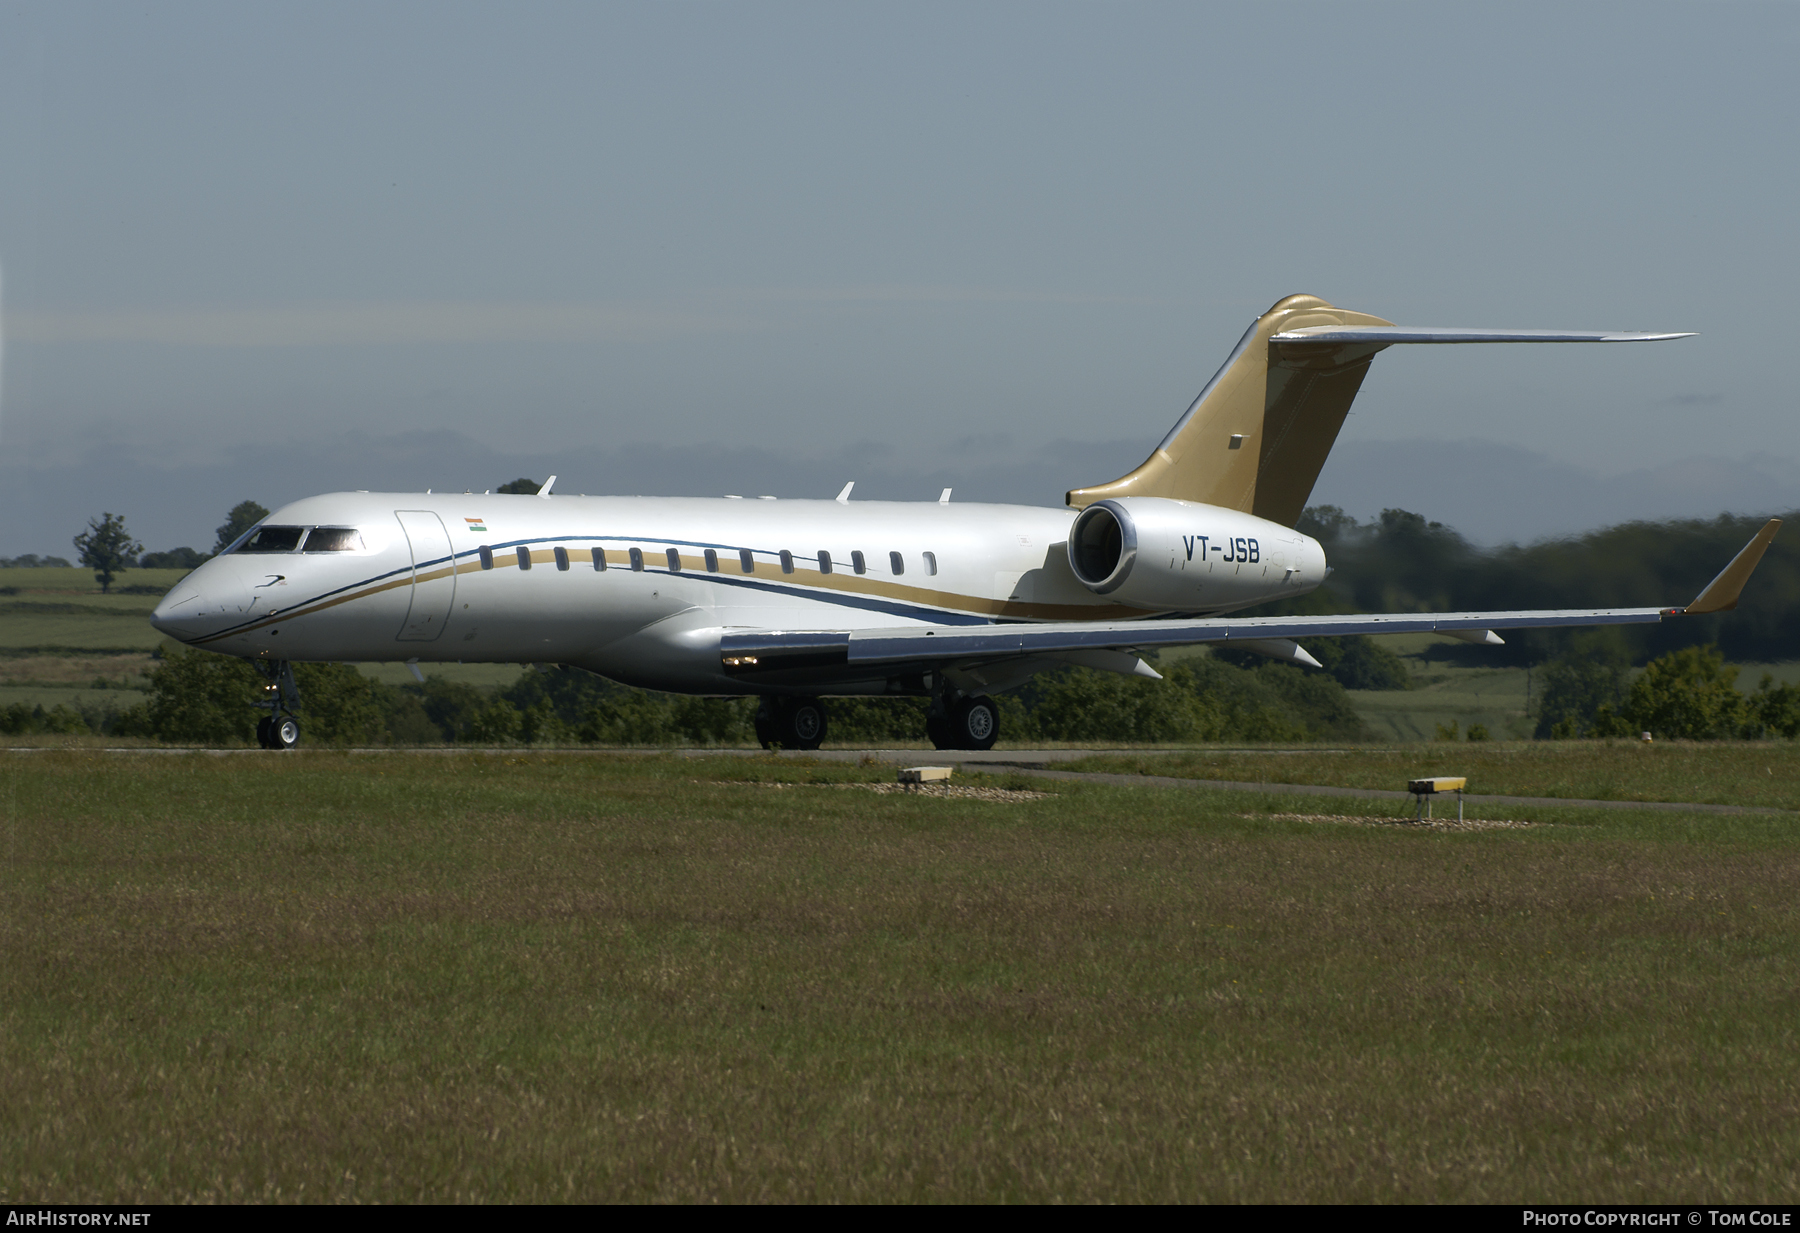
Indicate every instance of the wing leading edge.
{"type": "Point", "coordinates": [925, 647]}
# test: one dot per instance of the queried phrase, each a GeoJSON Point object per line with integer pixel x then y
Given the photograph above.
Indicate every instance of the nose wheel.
{"type": "Point", "coordinates": [278, 732]}
{"type": "Point", "coordinates": [279, 729]}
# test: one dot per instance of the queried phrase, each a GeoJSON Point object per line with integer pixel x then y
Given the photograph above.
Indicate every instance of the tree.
{"type": "Point", "coordinates": [200, 698]}
{"type": "Point", "coordinates": [1575, 686]}
{"type": "Point", "coordinates": [338, 705]}
{"type": "Point", "coordinates": [107, 548]}
{"type": "Point", "coordinates": [1689, 694]}
{"type": "Point", "coordinates": [174, 558]}
{"type": "Point", "coordinates": [243, 516]}
{"type": "Point", "coordinates": [1778, 706]}
{"type": "Point", "coordinates": [521, 487]}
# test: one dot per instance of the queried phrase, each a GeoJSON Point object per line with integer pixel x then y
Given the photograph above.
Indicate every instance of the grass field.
{"type": "Point", "coordinates": [1761, 773]}
{"type": "Point", "coordinates": [455, 977]}
{"type": "Point", "coordinates": [58, 634]}
{"type": "Point", "coordinates": [61, 612]}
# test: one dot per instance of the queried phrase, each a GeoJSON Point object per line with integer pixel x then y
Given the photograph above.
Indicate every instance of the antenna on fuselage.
{"type": "Point", "coordinates": [944, 497]}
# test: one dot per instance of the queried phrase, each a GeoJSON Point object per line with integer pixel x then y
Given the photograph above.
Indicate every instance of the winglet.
{"type": "Point", "coordinates": [548, 485]}
{"type": "Point", "coordinates": [1721, 594]}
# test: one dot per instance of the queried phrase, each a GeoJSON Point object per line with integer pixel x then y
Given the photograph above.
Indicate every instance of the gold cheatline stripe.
{"type": "Point", "coordinates": [853, 584]}
{"type": "Point", "coordinates": [849, 584]}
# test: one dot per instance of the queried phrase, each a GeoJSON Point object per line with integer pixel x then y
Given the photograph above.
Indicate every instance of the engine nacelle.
{"type": "Point", "coordinates": [1182, 556]}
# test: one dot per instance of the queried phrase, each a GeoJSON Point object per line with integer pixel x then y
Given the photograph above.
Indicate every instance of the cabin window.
{"type": "Point", "coordinates": [674, 561]}
{"type": "Point", "coordinates": [897, 563]}
{"type": "Point", "coordinates": [637, 559]}
{"type": "Point", "coordinates": [487, 556]}
{"type": "Point", "coordinates": [857, 563]}
{"type": "Point", "coordinates": [333, 539]}
{"type": "Point", "coordinates": [562, 558]}
{"type": "Point", "coordinates": [746, 561]}
{"type": "Point", "coordinates": [273, 539]}
{"type": "Point", "coordinates": [824, 561]}
{"type": "Point", "coordinates": [930, 563]}
{"type": "Point", "coordinates": [524, 557]}
{"type": "Point", "coordinates": [787, 561]}
{"type": "Point", "coordinates": [599, 560]}
{"type": "Point", "coordinates": [712, 561]}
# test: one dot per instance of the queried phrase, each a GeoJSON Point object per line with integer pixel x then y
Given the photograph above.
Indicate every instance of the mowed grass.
{"type": "Point", "coordinates": [538, 977]}
{"type": "Point", "coordinates": [63, 610]}
{"type": "Point", "coordinates": [1765, 774]}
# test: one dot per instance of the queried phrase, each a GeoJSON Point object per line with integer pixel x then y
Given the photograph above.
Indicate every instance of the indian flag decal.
{"type": "Point", "coordinates": [477, 524]}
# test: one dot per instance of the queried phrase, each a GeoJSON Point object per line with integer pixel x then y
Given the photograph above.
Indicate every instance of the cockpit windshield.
{"type": "Point", "coordinates": [287, 539]}
{"type": "Point", "coordinates": [334, 539]}
{"type": "Point", "coordinates": [272, 539]}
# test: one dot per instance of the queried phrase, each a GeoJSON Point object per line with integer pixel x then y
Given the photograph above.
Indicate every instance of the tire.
{"type": "Point", "coordinates": [937, 731]}
{"type": "Point", "coordinates": [265, 732]}
{"type": "Point", "coordinates": [284, 732]}
{"type": "Point", "coordinates": [767, 731]}
{"type": "Point", "coordinates": [802, 723]}
{"type": "Point", "coordinates": [975, 723]}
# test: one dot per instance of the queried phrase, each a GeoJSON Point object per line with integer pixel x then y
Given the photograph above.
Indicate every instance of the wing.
{"type": "Point", "coordinates": [787, 655]}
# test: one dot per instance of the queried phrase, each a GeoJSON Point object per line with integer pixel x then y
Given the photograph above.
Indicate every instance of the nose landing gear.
{"type": "Point", "coordinates": [280, 728]}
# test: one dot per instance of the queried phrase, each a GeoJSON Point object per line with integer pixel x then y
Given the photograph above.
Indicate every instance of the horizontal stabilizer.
{"type": "Point", "coordinates": [1387, 335]}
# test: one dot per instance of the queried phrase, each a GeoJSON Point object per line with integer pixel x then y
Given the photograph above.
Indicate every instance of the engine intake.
{"type": "Point", "coordinates": [1163, 554]}
{"type": "Point", "coordinates": [1103, 546]}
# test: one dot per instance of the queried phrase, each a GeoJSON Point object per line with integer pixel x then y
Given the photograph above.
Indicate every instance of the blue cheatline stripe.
{"type": "Point", "coordinates": [897, 608]}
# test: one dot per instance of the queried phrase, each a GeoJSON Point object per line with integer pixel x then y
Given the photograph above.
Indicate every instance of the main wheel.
{"type": "Point", "coordinates": [974, 724]}
{"type": "Point", "coordinates": [768, 730]}
{"type": "Point", "coordinates": [265, 732]}
{"type": "Point", "coordinates": [937, 731]}
{"type": "Point", "coordinates": [285, 732]}
{"type": "Point", "coordinates": [802, 723]}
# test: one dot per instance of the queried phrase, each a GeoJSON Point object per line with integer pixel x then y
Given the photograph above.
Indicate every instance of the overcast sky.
{"type": "Point", "coordinates": [263, 251]}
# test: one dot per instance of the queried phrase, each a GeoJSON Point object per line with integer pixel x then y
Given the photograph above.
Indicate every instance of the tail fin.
{"type": "Point", "coordinates": [1257, 436]}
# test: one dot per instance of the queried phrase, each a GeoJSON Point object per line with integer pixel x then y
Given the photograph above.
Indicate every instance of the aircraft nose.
{"type": "Point", "coordinates": [211, 598]}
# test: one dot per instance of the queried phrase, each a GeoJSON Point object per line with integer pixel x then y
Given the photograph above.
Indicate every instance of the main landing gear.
{"type": "Point", "coordinates": [954, 722]}
{"type": "Point", "coordinates": [790, 723]}
{"type": "Point", "coordinates": [963, 722]}
{"type": "Point", "coordinates": [280, 728]}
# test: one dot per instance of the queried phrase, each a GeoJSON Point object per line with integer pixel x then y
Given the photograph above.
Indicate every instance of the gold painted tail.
{"type": "Point", "coordinates": [1258, 435]}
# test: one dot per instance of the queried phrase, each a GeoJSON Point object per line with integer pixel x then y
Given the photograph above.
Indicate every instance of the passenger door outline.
{"type": "Point", "coordinates": [433, 597]}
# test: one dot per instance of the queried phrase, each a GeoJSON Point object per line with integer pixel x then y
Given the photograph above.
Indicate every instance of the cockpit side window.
{"type": "Point", "coordinates": [333, 539]}
{"type": "Point", "coordinates": [238, 543]}
{"type": "Point", "coordinates": [272, 539]}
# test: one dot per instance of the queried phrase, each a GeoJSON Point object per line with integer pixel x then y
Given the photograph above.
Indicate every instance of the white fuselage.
{"type": "Point", "coordinates": [500, 578]}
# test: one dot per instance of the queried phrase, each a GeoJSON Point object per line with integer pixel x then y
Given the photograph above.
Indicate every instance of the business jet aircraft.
{"type": "Point", "coordinates": [794, 600]}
